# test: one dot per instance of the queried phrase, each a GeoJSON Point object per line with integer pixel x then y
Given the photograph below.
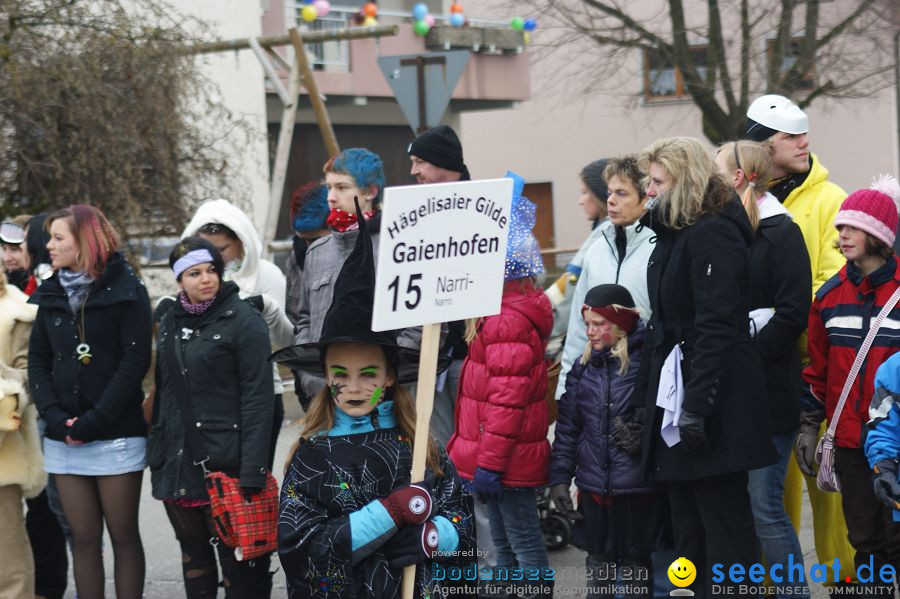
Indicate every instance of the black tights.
{"type": "Point", "coordinates": [242, 580]}
{"type": "Point", "coordinates": [87, 502]}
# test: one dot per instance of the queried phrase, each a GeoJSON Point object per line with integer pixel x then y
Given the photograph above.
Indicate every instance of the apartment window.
{"type": "Point", "coordinates": [806, 81]}
{"type": "Point", "coordinates": [663, 80]}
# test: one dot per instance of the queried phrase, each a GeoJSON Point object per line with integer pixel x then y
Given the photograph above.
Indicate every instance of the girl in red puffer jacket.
{"type": "Point", "coordinates": [500, 445]}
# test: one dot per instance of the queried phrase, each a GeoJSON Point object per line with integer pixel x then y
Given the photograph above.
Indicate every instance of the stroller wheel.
{"type": "Point", "coordinates": [557, 531]}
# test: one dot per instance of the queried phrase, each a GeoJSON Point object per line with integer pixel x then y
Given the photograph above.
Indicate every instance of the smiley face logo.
{"type": "Point", "coordinates": [682, 572]}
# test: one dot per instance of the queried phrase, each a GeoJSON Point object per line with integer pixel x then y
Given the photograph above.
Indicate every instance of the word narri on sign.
{"type": "Point", "coordinates": [441, 253]}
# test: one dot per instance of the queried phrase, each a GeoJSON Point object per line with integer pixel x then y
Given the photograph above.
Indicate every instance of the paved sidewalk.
{"type": "Point", "coordinates": [164, 558]}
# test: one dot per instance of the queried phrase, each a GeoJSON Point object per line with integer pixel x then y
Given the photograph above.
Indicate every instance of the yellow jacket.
{"type": "Point", "coordinates": [813, 206]}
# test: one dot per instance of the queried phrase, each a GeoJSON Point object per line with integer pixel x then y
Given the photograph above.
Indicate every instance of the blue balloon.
{"type": "Point", "coordinates": [457, 19]}
{"type": "Point", "coordinates": [530, 25]}
{"type": "Point", "coordinates": [420, 11]}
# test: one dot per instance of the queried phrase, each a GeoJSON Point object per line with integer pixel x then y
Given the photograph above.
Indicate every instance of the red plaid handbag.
{"type": "Point", "coordinates": [246, 522]}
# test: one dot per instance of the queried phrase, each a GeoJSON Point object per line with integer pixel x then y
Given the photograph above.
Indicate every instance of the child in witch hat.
{"type": "Point", "coordinates": [350, 519]}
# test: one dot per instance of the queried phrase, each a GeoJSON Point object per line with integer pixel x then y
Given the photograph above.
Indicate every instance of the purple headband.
{"type": "Point", "coordinates": [192, 258]}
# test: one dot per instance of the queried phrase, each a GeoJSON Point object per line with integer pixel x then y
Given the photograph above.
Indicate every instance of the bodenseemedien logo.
{"type": "Point", "coordinates": [682, 573]}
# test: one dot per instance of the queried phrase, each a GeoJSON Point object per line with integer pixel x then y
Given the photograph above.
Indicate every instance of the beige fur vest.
{"type": "Point", "coordinates": [21, 461]}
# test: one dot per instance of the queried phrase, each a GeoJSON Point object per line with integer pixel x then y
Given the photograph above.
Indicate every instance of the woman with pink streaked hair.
{"type": "Point", "coordinates": [89, 351]}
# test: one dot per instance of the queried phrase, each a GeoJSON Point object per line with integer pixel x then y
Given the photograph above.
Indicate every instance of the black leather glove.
{"type": "Point", "coordinates": [887, 490]}
{"type": "Point", "coordinates": [629, 434]}
{"type": "Point", "coordinates": [692, 428]}
{"type": "Point", "coordinates": [411, 545]}
{"type": "Point", "coordinates": [562, 499]}
{"type": "Point", "coordinates": [807, 439]}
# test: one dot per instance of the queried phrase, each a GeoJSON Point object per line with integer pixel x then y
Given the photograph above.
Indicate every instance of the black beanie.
{"type": "Point", "coordinates": [607, 295]}
{"type": "Point", "coordinates": [757, 131]}
{"type": "Point", "coordinates": [592, 175]}
{"type": "Point", "coordinates": [440, 146]}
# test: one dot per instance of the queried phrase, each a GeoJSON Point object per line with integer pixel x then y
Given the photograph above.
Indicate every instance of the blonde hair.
{"type": "Point", "coordinates": [619, 349]}
{"type": "Point", "coordinates": [472, 324]}
{"type": "Point", "coordinates": [320, 418]}
{"type": "Point", "coordinates": [754, 160]}
{"type": "Point", "coordinates": [691, 170]}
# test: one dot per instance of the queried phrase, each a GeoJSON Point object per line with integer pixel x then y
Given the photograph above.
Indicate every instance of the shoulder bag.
{"type": "Point", "coordinates": [246, 522]}
{"type": "Point", "coordinates": [826, 479]}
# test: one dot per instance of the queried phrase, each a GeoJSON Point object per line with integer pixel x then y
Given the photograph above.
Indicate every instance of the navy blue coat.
{"type": "Point", "coordinates": [584, 446]}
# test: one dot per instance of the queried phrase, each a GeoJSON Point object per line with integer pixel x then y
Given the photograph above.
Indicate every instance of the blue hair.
{"type": "Point", "coordinates": [309, 207]}
{"type": "Point", "coordinates": [364, 166]}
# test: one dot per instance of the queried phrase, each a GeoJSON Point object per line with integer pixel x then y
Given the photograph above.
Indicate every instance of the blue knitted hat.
{"type": "Point", "coordinates": [523, 254]}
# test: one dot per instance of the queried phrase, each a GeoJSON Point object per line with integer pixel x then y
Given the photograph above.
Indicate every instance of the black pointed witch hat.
{"type": "Point", "coordinates": [349, 318]}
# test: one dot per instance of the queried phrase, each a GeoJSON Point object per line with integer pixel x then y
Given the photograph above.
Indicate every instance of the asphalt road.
{"type": "Point", "coordinates": [164, 559]}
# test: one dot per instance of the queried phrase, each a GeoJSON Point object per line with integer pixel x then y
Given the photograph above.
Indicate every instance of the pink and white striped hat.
{"type": "Point", "coordinates": [873, 210]}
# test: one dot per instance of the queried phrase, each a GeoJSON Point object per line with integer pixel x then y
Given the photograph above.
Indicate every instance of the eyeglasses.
{"type": "Point", "coordinates": [11, 233]}
{"type": "Point", "coordinates": [213, 228]}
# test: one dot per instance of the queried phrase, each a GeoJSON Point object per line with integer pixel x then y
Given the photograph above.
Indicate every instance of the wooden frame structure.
{"type": "Point", "coordinates": [301, 74]}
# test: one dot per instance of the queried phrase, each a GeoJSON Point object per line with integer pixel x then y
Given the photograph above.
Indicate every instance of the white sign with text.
{"type": "Point", "coordinates": [441, 253]}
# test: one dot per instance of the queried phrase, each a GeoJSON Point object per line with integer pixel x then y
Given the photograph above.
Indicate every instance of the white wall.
{"type": "Point", "coordinates": [241, 82]}
{"type": "Point", "coordinates": [552, 136]}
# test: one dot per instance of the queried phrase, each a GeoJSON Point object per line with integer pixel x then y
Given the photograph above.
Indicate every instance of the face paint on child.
{"type": "Point", "coordinates": [358, 376]}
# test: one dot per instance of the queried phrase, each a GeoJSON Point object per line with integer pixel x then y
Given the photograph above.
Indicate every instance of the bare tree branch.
{"type": "Point", "coordinates": [751, 48]}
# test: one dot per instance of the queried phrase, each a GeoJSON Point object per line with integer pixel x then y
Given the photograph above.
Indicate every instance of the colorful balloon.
{"type": "Point", "coordinates": [457, 19]}
{"type": "Point", "coordinates": [429, 18]}
{"type": "Point", "coordinates": [419, 11]}
{"type": "Point", "coordinates": [421, 28]}
{"type": "Point", "coordinates": [529, 25]}
{"type": "Point", "coordinates": [309, 13]}
{"type": "Point", "coordinates": [517, 23]}
{"type": "Point", "coordinates": [370, 9]}
{"type": "Point", "coordinates": [370, 22]}
{"type": "Point", "coordinates": [323, 7]}
{"type": "Point", "coordinates": [455, 8]}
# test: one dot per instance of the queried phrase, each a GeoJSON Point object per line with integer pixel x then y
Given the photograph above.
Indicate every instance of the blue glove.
{"type": "Point", "coordinates": [487, 485]}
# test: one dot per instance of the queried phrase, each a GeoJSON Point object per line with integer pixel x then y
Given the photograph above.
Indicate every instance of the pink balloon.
{"type": "Point", "coordinates": [323, 7]}
{"type": "Point", "coordinates": [429, 18]}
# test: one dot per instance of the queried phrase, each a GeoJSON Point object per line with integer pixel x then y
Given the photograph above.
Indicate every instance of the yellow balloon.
{"type": "Point", "coordinates": [370, 22]}
{"type": "Point", "coordinates": [309, 13]}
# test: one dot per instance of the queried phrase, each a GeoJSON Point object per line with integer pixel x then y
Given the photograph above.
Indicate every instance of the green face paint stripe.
{"type": "Point", "coordinates": [370, 370]}
{"type": "Point", "coordinates": [338, 370]}
{"type": "Point", "coordinates": [376, 395]}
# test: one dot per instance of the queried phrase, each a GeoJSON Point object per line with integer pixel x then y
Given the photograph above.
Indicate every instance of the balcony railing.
{"type": "Point", "coordinates": [335, 56]}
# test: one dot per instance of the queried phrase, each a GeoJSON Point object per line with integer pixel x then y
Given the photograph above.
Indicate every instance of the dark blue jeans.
{"type": "Point", "coordinates": [774, 530]}
{"type": "Point", "coordinates": [516, 530]}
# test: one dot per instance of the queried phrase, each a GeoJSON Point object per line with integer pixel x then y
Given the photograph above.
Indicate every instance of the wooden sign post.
{"type": "Point", "coordinates": [440, 258]}
{"type": "Point", "coordinates": [431, 335]}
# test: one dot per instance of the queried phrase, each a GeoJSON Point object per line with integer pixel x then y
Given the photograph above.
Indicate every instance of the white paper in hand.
{"type": "Point", "coordinates": [670, 396]}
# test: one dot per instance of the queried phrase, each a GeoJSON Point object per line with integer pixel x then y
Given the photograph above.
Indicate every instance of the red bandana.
{"type": "Point", "coordinates": [341, 220]}
{"type": "Point", "coordinates": [625, 319]}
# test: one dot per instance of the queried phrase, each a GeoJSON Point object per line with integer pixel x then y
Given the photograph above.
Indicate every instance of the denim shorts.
{"type": "Point", "coordinates": [96, 458]}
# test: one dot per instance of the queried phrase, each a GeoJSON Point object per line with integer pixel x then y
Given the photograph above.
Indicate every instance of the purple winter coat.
{"type": "Point", "coordinates": [584, 446]}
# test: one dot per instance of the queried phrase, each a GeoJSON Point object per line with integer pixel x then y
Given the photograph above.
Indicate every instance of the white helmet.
{"type": "Point", "coordinates": [777, 113]}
